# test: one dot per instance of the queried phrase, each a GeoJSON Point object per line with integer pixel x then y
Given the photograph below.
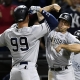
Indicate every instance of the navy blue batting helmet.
{"type": "Point", "coordinates": [66, 16]}
{"type": "Point", "coordinates": [20, 13]}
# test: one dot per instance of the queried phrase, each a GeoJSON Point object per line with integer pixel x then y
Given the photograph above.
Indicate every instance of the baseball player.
{"type": "Point", "coordinates": [60, 66]}
{"type": "Point", "coordinates": [23, 42]}
{"type": "Point", "coordinates": [75, 58]}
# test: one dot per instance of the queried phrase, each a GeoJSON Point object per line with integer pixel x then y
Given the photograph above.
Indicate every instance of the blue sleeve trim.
{"type": "Point", "coordinates": [51, 20]}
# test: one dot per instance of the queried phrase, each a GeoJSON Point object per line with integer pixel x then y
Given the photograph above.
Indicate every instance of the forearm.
{"type": "Point", "coordinates": [71, 47]}
{"type": "Point", "coordinates": [49, 8]}
{"type": "Point", "coordinates": [40, 16]}
{"type": "Point", "coordinates": [55, 7]}
{"type": "Point", "coordinates": [51, 20]}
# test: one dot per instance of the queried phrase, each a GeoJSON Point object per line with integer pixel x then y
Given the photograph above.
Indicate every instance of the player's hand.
{"type": "Point", "coordinates": [58, 49]}
{"type": "Point", "coordinates": [56, 7]}
{"type": "Point", "coordinates": [34, 9]}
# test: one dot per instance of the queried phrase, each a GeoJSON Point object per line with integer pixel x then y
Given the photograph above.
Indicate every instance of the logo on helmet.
{"type": "Point", "coordinates": [65, 16]}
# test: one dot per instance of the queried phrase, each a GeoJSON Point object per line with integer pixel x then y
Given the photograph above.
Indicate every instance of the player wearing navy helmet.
{"type": "Point", "coordinates": [60, 66]}
{"type": "Point", "coordinates": [23, 42]}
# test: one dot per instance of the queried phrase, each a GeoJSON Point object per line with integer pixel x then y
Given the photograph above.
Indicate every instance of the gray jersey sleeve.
{"type": "Point", "coordinates": [72, 39]}
{"type": "Point", "coordinates": [41, 30]}
{"type": "Point", "coordinates": [2, 40]}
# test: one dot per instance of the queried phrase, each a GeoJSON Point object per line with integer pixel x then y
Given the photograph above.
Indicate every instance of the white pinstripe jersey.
{"type": "Point", "coordinates": [23, 43]}
{"type": "Point", "coordinates": [53, 40]}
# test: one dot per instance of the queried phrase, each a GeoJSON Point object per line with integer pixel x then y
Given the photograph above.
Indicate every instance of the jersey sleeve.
{"type": "Point", "coordinates": [51, 20]}
{"type": "Point", "coordinates": [72, 39]}
{"type": "Point", "coordinates": [2, 40]}
{"type": "Point", "coordinates": [41, 30]}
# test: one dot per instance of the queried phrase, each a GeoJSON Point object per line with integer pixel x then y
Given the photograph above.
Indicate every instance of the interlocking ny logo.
{"type": "Point", "coordinates": [66, 16]}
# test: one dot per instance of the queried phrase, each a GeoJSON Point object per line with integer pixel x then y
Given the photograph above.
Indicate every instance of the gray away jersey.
{"type": "Point", "coordinates": [23, 43]}
{"type": "Point", "coordinates": [53, 40]}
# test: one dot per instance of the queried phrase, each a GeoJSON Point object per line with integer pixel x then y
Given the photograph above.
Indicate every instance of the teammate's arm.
{"type": "Point", "coordinates": [49, 8]}
{"type": "Point", "coordinates": [51, 20]}
{"type": "Point", "coordinates": [55, 7]}
{"type": "Point", "coordinates": [71, 47]}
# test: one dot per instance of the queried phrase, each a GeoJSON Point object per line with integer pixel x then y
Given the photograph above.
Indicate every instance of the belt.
{"type": "Point", "coordinates": [59, 68]}
{"type": "Point", "coordinates": [25, 62]}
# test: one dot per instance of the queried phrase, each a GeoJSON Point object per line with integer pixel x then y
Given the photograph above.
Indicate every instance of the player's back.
{"type": "Point", "coordinates": [24, 42]}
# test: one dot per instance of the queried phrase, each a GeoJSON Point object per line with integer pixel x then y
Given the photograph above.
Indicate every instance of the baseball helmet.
{"type": "Point", "coordinates": [77, 34]}
{"type": "Point", "coordinates": [66, 16]}
{"type": "Point", "coordinates": [20, 13]}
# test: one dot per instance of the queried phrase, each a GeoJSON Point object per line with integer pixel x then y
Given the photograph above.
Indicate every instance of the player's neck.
{"type": "Point", "coordinates": [63, 32]}
{"type": "Point", "coordinates": [22, 24]}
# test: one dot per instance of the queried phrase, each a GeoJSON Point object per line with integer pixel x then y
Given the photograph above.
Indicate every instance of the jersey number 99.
{"type": "Point", "coordinates": [14, 42]}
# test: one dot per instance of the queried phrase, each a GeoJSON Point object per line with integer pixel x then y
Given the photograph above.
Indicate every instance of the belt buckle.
{"type": "Point", "coordinates": [63, 68]}
{"type": "Point", "coordinates": [58, 69]}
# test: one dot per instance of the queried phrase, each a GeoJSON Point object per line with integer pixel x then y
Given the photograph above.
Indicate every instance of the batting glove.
{"type": "Point", "coordinates": [34, 9]}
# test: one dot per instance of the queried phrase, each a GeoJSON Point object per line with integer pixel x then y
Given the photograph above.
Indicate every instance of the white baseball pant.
{"type": "Point", "coordinates": [67, 74]}
{"type": "Point", "coordinates": [24, 72]}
